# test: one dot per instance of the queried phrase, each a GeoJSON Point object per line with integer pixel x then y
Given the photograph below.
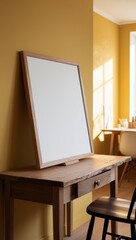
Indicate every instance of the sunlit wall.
{"type": "Point", "coordinates": [105, 77]}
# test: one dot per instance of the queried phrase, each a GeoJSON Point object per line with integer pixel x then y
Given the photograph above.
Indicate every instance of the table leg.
{"type": "Point", "coordinates": [112, 143]}
{"type": "Point", "coordinates": [9, 205]}
{"type": "Point", "coordinates": [1, 210]}
{"type": "Point", "coordinates": [114, 193]}
{"type": "Point", "coordinates": [58, 213]}
{"type": "Point", "coordinates": [69, 218]}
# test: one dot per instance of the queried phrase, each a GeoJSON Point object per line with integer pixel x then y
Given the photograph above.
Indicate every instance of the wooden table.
{"type": "Point", "coordinates": [114, 132]}
{"type": "Point", "coordinates": [59, 185]}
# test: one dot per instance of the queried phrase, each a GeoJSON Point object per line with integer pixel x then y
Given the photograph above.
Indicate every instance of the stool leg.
{"type": "Point", "coordinates": [90, 228]}
{"type": "Point", "coordinates": [105, 227]}
{"type": "Point", "coordinates": [133, 231]}
{"type": "Point", "coordinates": [123, 173]}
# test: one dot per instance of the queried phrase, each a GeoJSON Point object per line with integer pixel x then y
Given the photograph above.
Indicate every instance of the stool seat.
{"type": "Point", "coordinates": [115, 209]}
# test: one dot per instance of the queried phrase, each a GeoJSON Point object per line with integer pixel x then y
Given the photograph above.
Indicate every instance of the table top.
{"type": "Point", "coordinates": [67, 175]}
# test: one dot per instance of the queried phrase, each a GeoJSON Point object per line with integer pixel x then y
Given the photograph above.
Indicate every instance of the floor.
{"type": "Point", "coordinates": [125, 191]}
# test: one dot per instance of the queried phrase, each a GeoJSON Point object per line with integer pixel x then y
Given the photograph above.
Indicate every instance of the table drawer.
{"type": "Point", "coordinates": [93, 183]}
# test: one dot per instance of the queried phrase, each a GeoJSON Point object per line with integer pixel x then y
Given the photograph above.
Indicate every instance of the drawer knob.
{"type": "Point", "coordinates": [97, 183]}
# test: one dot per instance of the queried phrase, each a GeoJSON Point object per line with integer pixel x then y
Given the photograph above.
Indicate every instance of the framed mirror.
{"type": "Point", "coordinates": [57, 109]}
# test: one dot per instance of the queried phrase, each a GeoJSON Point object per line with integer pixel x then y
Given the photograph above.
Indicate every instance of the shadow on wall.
{"type": "Point", "coordinates": [21, 150]}
{"type": "Point", "coordinates": [102, 144]}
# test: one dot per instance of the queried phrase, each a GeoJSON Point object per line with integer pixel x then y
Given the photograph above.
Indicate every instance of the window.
{"type": "Point", "coordinates": [132, 74]}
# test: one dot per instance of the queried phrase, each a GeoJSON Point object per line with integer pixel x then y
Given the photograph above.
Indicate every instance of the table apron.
{"type": "Point", "coordinates": [43, 193]}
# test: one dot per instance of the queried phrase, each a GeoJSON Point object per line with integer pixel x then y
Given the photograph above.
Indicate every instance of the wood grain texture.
{"type": "Point", "coordinates": [67, 175]}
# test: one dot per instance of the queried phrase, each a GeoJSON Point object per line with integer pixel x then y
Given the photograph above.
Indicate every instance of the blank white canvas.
{"type": "Point", "coordinates": [58, 109]}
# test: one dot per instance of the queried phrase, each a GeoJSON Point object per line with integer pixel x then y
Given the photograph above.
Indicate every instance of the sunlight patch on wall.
{"type": "Point", "coordinates": [102, 97]}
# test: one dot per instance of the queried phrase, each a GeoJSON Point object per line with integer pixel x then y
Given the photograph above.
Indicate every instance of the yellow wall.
{"type": "Point", "coordinates": [112, 41]}
{"type": "Point", "coordinates": [61, 29]}
{"type": "Point", "coordinates": [105, 48]}
{"type": "Point", "coordinates": [124, 69]}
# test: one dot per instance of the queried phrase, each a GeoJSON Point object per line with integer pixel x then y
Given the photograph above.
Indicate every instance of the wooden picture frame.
{"type": "Point", "coordinates": [57, 109]}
